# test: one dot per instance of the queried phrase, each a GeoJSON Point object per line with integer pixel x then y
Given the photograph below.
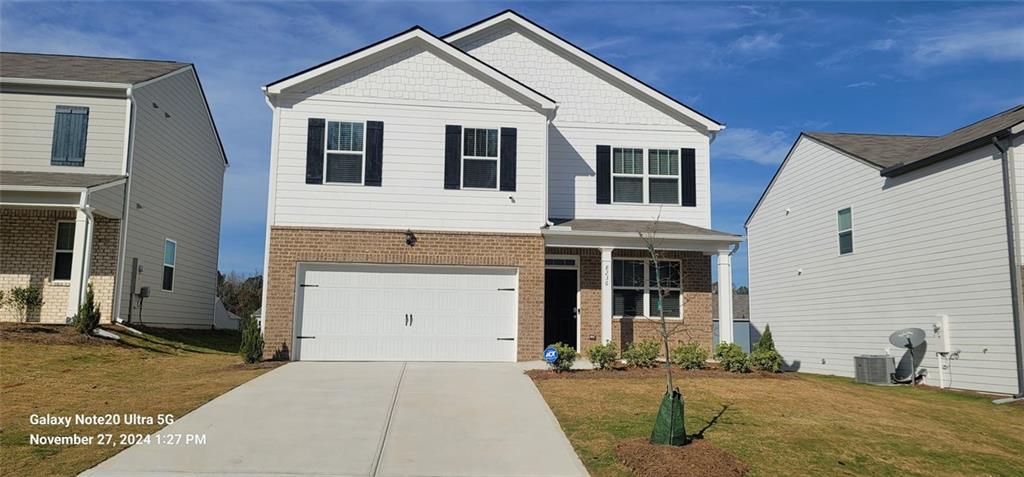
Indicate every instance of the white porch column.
{"type": "Point", "coordinates": [606, 294]}
{"type": "Point", "coordinates": [80, 260]}
{"type": "Point", "coordinates": [725, 297]}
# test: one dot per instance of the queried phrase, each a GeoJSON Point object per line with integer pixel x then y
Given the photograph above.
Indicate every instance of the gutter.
{"type": "Point", "coordinates": [1013, 255]}
{"type": "Point", "coordinates": [566, 232]}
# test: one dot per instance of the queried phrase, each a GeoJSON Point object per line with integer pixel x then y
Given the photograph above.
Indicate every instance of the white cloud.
{"type": "Point", "coordinates": [941, 47]}
{"type": "Point", "coordinates": [752, 145]}
{"type": "Point", "coordinates": [759, 43]}
{"type": "Point", "coordinates": [862, 84]}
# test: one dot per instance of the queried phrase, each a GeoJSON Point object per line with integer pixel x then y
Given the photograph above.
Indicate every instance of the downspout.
{"type": "Point", "coordinates": [1010, 208]}
{"type": "Point", "coordinates": [122, 246]}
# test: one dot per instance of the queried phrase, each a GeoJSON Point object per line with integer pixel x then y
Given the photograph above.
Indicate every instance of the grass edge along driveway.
{"type": "Point", "coordinates": [51, 370]}
{"type": "Point", "coordinates": [804, 425]}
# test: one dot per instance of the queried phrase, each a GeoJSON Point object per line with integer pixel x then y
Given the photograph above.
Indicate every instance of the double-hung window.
{"type": "Point", "coordinates": [663, 180]}
{"type": "Point", "coordinates": [64, 251]}
{"type": "Point", "coordinates": [345, 152]}
{"type": "Point", "coordinates": [70, 129]}
{"type": "Point", "coordinates": [845, 228]}
{"type": "Point", "coordinates": [627, 175]}
{"type": "Point", "coordinates": [635, 288]}
{"type": "Point", "coordinates": [480, 158]}
{"type": "Point", "coordinates": [170, 258]}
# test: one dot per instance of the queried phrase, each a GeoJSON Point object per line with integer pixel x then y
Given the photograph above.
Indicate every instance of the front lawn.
{"type": "Point", "coordinates": [52, 370]}
{"type": "Point", "coordinates": [800, 425]}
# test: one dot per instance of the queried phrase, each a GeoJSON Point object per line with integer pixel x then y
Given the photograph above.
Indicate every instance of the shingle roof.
{"type": "Point", "coordinates": [636, 226]}
{"type": "Point", "coordinates": [898, 154]}
{"type": "Point", "coordinates": [83, 68]}
{"type": "Point", "coordinates": [55, 179]}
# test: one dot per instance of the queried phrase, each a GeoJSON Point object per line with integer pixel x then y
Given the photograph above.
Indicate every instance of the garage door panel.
{"type": "Point", "coordinates": [358, 312]}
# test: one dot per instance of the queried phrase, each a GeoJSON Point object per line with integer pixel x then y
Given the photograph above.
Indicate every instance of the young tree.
{"type": "Point", "coordinates": [669, 427]}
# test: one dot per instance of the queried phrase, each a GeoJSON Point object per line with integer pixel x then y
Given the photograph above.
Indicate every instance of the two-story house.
{"type": "Point", "coordinates": [111, 173]}
{"type": "Point", "coordinates": [479, 196]}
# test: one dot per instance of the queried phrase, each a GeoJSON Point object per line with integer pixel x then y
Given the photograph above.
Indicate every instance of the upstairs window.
{"type": "Point", "coordinates": [845, 226]}
{"type": "Point", "coordinates": [63, 251]}
{"type": "Point", "coordinates": [480, 158]}
{"type": "Point", "coordinates": [345, 152]}
{"type": "Point", "coordinates": [170, 258]}
{"type": "Point", "coordinates": [663, 169]}
{"type": "Point", "coordinates": [70, 128]}
{"type": "Point", "coordinates": [627, 175]}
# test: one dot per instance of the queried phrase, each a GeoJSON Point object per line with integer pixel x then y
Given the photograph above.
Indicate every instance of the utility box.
{"type": "Point", "coordinates": [876, 369]}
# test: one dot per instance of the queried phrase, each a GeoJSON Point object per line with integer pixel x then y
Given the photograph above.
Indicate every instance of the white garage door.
{"type": "Point", "coordinates": [405, 313]}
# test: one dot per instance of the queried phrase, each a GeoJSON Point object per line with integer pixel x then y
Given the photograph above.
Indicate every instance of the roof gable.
{"type": "Point", "coordinates": [416, 36]}
{"type": "Point", "coordinates": [606, 71]}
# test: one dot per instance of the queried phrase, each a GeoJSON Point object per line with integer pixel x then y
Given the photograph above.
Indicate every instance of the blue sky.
{"type": "Point", "coordinates": [768, 70]}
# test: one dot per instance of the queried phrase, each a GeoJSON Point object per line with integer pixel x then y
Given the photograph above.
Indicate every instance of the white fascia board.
{"type": "Point", "coordinates": [705, 244]}
{"type": "Point", "coordinates": [27, 188]}
{"type": "Point", "coordinates": [65, 83]}
{"type": "Point", "coordinates": [564, 232]}
{"type": "Point", "coordinates": [453, 54]}
{"type": "Point", "coordinates": [601, 66]}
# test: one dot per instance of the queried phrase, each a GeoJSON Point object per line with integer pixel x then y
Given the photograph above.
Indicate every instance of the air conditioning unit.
{"type": "Point", "coordinates": [874, 369]}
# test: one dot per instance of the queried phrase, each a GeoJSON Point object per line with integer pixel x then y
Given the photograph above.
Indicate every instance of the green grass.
{"type": "Point", "coordinates": [51, 370]}
{"type": "Point", "coordinates": [807, 425]}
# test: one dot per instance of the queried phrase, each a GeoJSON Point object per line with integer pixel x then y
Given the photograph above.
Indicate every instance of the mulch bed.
{"type": "Point", "coordinates": [697, 459]}
{"type": "Point", "coordinates": [642, 373]}
{"type": "Point", "coordinates": [48, 334]}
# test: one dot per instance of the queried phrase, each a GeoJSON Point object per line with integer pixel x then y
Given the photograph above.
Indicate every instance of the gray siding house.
{"type": "Point", "coordinates": [111, 174]}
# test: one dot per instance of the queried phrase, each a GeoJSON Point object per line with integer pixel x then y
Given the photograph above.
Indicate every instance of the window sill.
{"type": "Point", "coordinates": [646, 318]}
{"type": "Point", "coordinates": [67, 164]}
{"type": "Point", "coordinates": [60, 283]}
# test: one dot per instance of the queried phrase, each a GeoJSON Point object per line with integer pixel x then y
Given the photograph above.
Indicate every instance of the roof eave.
{"type": "Point", "coordinates": [903, 168]}
{"type": "Point", "coordinates": [66, 83]}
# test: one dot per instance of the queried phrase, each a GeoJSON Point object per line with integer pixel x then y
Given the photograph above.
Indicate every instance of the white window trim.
{"type": "Point", "coordinates": [643, 170]}
{"type": "Point", "coordinates": [56, 240]}
{"type": "Point", "coordinates": [839, 251]}
{"type": "Point", "coordinates": [646, 289]}
{"type": "Point", "coordinates": [678, 176]}
{"type": "Point", "coordinates": [462, 164]}
{"type": "Point", "coordinates": [173, 266]}
{"type": "Point", "coordinates": [362, 174]}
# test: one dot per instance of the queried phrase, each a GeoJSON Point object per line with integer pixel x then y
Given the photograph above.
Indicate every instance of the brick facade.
{"type": "Point", "coordinates": [292, 245]}
{"type": "Point", "coordinates": [696, 298]}
{"type": "Point", "coordinates": [27, 238]}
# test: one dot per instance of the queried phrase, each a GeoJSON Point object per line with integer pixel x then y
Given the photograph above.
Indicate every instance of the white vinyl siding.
{"type": "Point", "coordinates": [177, 179]}
{"type": "Point", "coordinates": [591, 112]}
{"type": "Point", "coordinates": [929, 243]}
{"type": "Point", "coordinates": [412, 193]}
{"type": "Point", "coordinates": [27, 129]}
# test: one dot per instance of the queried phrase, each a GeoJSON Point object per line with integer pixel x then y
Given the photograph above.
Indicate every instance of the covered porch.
{"type": "Point", "coordinates": [58, 233]}
{"type": "Point", "coordinates": [600, 281]}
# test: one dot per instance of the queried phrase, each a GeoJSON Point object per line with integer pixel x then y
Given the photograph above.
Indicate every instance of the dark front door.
{"type": "Point", "coordinates": [560, 307]}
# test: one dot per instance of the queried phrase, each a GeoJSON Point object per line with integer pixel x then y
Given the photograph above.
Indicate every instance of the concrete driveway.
{"type": "Point", "coordinates": [366, 419]}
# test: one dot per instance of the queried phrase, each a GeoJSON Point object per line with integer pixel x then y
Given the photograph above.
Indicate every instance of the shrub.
{"type": "Point", "coordinates": [732, 358]}
{"type": "Point", "coordinates": [642, 354]}
{"type": "Point", "coordinates": [24, 300]}
{"type": "Point", "coordinates": [690, 356]}
{"type": "Point", "coordinates": [765, 357]}
{"type": "Point", "coordinates": [566, 357]}
{"type": "Point", "coordinates": [88, 316]}
{"type": "Point", "coordinates": [602, 356]}
{"type": "Point", "coordinates": [251, 349]}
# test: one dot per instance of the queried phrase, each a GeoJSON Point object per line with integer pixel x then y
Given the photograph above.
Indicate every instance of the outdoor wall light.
{"type": "Point", "coordinates": [410, 238]}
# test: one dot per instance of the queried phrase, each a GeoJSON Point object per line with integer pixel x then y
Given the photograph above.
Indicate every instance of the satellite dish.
{"type": "Point", "coordinates": [908, 338]}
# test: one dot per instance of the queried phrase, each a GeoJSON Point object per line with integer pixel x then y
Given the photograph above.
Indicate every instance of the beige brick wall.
{"type": "Point", "coordinates": [696, 284]}
{"type": "Point", "coordinates": [292, 245]}
{"type": "Point", "coordinates": [27, 238]}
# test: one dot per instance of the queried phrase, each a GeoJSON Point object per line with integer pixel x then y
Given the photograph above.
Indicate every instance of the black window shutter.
{"type": "Point", "coordinates": [604, 174]}
{"type": "Point", "coordinates": [688, 170]}
{"type": "Point", "coordinates": [315, 151]}
{"type": "Point", "coordinates": [374, 152]}
{"type": "Point", "coordinates": [508, 159]}
{"type": "Point", "coordinates": [452, 156]}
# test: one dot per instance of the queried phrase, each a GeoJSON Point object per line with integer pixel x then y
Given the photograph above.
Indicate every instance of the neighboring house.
{"type": "Point", "coordinates": [859, 235]}
{"type": "Point", "coordinates": [479, 196]}
{"type": "Point", "coordinates": [111, 172]}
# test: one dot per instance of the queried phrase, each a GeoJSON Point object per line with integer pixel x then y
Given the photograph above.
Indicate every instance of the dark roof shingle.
{"type": "Point", "coordinates": [55, 179]}
{"type": "Point", "coordinates": [637, 226]}
{"type": "Point", "coordinates": [897, 154]}
{"type": "Point", "coordinates": [83, 68]}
